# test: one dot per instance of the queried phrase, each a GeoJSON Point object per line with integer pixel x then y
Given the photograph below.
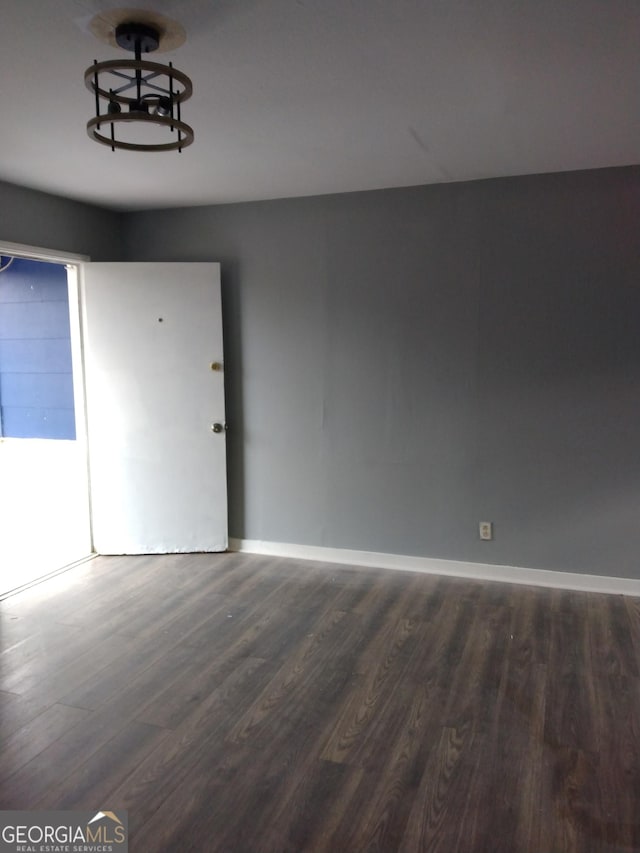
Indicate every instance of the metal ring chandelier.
{"type": "Point", "coordinates": [138, 91]}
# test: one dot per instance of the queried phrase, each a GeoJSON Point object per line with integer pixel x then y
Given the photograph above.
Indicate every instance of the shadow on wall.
{"type": "Point", "coordinates": [233, 389]}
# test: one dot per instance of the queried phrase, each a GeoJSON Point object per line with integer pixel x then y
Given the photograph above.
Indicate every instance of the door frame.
{"type": "Point", "coordinates": [73, 263]}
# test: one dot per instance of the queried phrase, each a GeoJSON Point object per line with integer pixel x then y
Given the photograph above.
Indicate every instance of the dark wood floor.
{"type": "Point", "coordinates": [257, 705]}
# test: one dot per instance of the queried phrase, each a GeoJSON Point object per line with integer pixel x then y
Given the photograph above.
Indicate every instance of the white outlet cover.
{"type": "Point", "coordinates": [485, 528]}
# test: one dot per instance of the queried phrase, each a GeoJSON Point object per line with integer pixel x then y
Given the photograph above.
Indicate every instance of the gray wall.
{"type": "Point", "coordinates": [404, 363]}
{"type": "Point", "coordinates": [49, 222]}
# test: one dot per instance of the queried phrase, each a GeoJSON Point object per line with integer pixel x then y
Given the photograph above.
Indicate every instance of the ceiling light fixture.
{"type": "Point", "coordinates": [136, 91]}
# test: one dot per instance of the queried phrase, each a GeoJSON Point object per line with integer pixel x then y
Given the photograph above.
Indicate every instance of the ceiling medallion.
{"type": "Point", "coordinates": [141, 100]}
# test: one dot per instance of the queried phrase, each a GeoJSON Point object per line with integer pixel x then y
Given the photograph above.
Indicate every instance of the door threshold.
{"type": "Point", "coordinates": [47, 577]}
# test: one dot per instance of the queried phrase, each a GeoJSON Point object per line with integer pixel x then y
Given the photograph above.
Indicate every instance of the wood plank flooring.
{"type": "Point", "coordinates": [256, 705]}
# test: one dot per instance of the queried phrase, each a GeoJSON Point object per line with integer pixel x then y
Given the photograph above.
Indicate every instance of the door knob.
{"type": "Point", "coordinates": [218, 427]}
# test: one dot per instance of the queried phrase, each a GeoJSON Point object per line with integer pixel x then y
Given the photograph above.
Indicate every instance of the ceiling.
{"type": "Point", "coordinates": [305, 97]}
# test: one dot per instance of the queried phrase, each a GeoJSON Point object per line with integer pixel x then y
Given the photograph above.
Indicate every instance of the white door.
{"type": "Point", "coordinates": [155, 394]}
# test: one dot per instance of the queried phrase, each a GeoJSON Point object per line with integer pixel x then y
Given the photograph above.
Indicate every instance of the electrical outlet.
{"type": "Point", "coordinates": [485, 529]}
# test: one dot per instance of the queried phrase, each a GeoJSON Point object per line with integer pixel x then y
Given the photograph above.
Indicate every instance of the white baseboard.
{"type": "Point", "coordinates": [434, 566]}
